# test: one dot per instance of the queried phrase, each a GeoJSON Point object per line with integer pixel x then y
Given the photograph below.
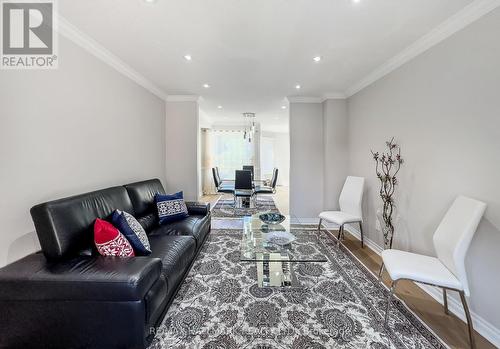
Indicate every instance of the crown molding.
{"type": "Point", "coordinates": [315, 99]}
{"type": "Point", "coordinates": [183, 98]}
{"type": "Point", "coordinates": [335, 95]}
{"type": "Point", "coordinates": [455, 23]}
{"type": "Point", "coordinates": [68, 30]}
{"type": "Point", "coordinates": [304, 99]}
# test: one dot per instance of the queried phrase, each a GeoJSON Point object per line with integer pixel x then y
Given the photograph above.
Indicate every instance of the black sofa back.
{"type": "Point", "coordinates": [142, 195]}
{"type": "Point", "coordinates": [64, 226]}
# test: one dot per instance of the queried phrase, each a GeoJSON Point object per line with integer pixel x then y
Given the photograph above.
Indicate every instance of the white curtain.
{"type": "Point", "coordinates": [208, 186]}
{"type": "Point", "coordinates": [228, 150]}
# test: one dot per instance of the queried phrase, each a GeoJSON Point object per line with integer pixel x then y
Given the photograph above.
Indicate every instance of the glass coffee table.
{"type": "Point", "coordinates": [274, 247]}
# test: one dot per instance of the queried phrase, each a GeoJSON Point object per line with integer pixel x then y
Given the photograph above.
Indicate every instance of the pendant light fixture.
{"type": "Point", "coordinates": [249, 126]}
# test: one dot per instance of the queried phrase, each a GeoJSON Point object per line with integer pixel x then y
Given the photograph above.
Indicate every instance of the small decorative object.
{"type": "Point", "coordinates": [272, 218]}
{"type": "Point", "coordinates": [280, 238]}
{"type": "Point", "coordinates": [133, 231]}
{"type": "Point", "coordinates": [109, 241]}
{"type": "Point", "coordinates": [387, 167]}
{"type": "Point", "coordinates": [171, 207]}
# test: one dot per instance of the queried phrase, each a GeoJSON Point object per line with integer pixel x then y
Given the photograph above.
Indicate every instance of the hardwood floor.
{"type": "Point", "coordinates": [448, 327]}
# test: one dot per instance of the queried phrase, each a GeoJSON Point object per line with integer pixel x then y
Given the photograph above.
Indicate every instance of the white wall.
{"type": "Point", "coordinates": [81, 127]}
{"type": "Point", "coordinates": [182, 150]}
{"type": "Point", "coordinates": [306, 159]}
{"type": "Point", "coordinates": [444, 110]}
{"type": "Point", "coordinates": [281, 157]}
{"type": "Point", "coordinates": [336, 150]}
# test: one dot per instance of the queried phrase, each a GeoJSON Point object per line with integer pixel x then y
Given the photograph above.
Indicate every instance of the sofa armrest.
{"type": "Point", "coordinates": [198, 208]}
{"type": "Point", "coordinates": [80, 278]}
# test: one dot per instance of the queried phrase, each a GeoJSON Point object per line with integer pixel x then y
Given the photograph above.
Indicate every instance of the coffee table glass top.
{"type": "Point", "coordinates": [268, 242]}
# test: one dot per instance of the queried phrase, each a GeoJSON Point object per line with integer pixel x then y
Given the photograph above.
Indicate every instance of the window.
{"type": "Point", "coordinates": [231, 152]}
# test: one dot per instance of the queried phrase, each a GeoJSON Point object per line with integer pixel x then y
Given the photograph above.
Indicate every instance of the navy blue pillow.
{"type": "Point", "coordinates": [133, 231]}
{"type": "Point", "coordinates": [171, 207]}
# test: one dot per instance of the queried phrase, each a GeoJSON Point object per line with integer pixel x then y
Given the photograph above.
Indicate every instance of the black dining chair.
{"type": "Point", "coordinates": [251, 169]}
{"type": "Point", "coordinates": [226, 188]}
{"type": "Point", "coordinates": [248, 168]}
{"type": "Point", "coordinates": [221, 181]}
{"type": "Point", "coordinates": [271, 189]}
{"type": "Point", "coordinates": [243, 186]}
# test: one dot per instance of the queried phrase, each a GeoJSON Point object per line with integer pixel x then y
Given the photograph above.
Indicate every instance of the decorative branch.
{"type": "Point", "coordinates": [387, 166]}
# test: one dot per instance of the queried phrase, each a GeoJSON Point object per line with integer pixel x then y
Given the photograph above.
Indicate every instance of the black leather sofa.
{"type": "Point", "coordinates": [67, 296]}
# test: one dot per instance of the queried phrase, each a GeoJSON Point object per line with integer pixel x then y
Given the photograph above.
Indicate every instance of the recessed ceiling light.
{"type": "Point", "coordinates": [188, 57]}
{"type": "Point", "coordinates": [219, 107]}
{"type": "Point", "coordinates": [150, 1]}
{"type": "Point", "coordinates": [283, 107]}
{"type": "Point", "coordinates": [356, 1]}
{"type": "Point", "coordinates": [206, 85]}
{"type": "Point", "coordinates": [317, 58]}
{"type": "Point", "coordinates": [298, 87]}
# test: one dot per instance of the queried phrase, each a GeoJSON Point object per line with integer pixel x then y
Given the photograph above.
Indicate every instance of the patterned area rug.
{"type": "Point", "coordinates": [225, 208]}
{"type": "Point", "coordinates": [339, 304]}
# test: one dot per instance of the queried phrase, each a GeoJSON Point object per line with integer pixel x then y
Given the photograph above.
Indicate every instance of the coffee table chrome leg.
{"type": "Point", "coordinates": [287, 274]}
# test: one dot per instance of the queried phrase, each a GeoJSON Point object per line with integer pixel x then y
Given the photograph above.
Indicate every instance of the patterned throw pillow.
{"type": "Point", "coordinates": [109, 241]}
{"type": "Point", "coordinates": [133, 231]}
{"type": "Point", "coordinates": [171, 207]}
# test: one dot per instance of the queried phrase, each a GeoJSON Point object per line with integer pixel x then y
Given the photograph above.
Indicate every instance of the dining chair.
{"type": "Point", "coordinates": [222, 181]}
{"type": "Point", "coordinates": [243, 185]}
{"type": "Point", "coordinates": [451, 240]}
{"type": "Point", "coordinates": [271, 189]}
{"type": "Point", "coordinates": [221, 188]}
{"type": "Point", "coordinates": [350, 207]}
{"type": "Point", "coordinates": [248, 168]}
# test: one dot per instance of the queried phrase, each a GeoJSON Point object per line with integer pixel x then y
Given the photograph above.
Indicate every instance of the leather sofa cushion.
{"type": "Point", "coordinates": [196, 226]}
{"type": "Point", "coordinates": [80, 278]}
{"type": "Point", "coordinates": [176, 254]}
{"type": "Point", "coordinates": [65, 226]}
{"type": "Point", "coordinates": [149, 222]}
{"type": "Point", "coordinates": [142, 195]}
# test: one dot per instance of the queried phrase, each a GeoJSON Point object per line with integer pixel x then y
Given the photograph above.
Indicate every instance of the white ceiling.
{"type": "Point", "coordinates": [253, 52]}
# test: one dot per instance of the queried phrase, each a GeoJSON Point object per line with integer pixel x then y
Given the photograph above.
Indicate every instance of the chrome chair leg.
{"type": "Point", "coordinates": [361, 231]}
{"type": "Point", "coordinates": [319, 225]}
{"type": "Point", "coordinates": [381, 270]}
{"type": "Point", "coordinates": [341, 232]}
{"type": "Point", "coordinates": [445, 302]}
{"type": "Point", "coordinates": [389, 300]}
{"type": "Point", "coordinates": [469, 320]}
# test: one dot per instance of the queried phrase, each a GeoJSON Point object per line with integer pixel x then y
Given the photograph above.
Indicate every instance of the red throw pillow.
{"type": "Point", "coordinates": [109, 241]}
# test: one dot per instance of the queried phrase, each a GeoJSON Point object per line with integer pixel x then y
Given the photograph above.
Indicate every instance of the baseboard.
{"type": "Point", "coordinates": [367, 241]}
{"type": "Point", "coordinates": [482, 326]}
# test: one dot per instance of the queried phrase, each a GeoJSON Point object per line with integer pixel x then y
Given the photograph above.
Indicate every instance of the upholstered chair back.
{"type": "Point", "coordinates": [243, 180]}
{"type": "Point", "coordinates": [274, 179]}
{"type": "Point", "coordinates": [454, 235]}
{"type": "Point", "coordinates": [352, 195]}
{"type": "Point", "coordinates": [216, 179]}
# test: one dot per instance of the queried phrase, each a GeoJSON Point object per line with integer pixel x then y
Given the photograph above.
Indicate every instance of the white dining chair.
{"type": "Point", "coordinates": [447, 271]}
{"type": "Point", "coordinates": [350, 207]}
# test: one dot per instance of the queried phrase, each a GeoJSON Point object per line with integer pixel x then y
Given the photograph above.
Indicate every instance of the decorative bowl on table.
{"type": "Point", "coordinates": [272, 218]}
{"type": "Point", "coordinates": [280, 238]}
